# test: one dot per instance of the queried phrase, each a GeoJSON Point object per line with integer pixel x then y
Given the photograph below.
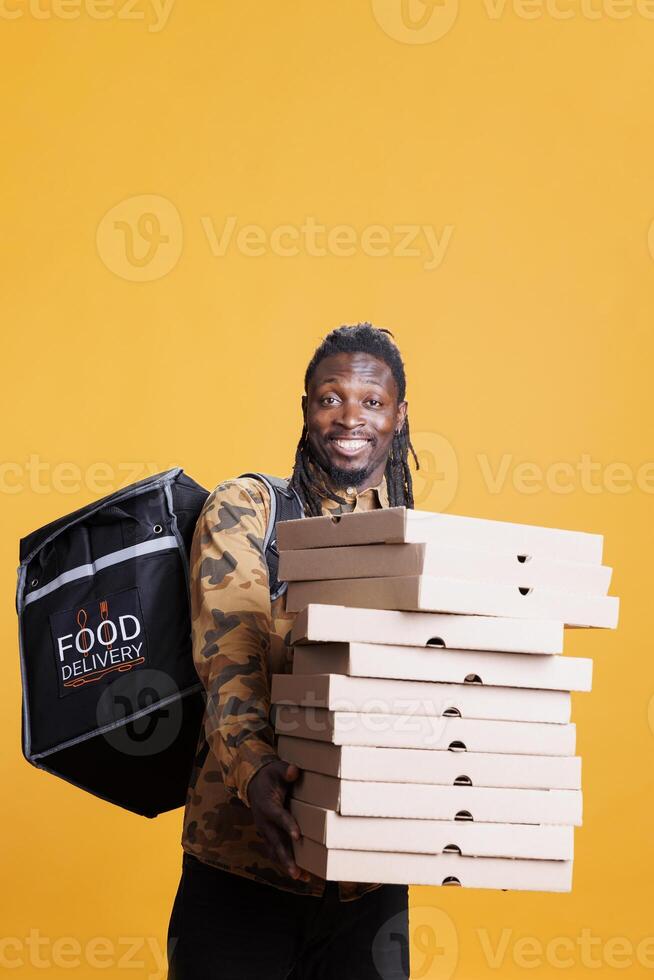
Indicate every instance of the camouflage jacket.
{"type": "Point", "coordinates": [239, 640]}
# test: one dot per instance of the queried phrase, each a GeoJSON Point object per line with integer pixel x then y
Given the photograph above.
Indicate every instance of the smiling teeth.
{"type": "Point", "coordinates": [351, 444]}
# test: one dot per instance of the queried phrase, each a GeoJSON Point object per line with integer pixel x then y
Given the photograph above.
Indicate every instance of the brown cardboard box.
{"type": "Point", "coordinates": [554, 673]}
{"type": "Point", "coordinates": [424, 593]}
{"type": "Point", "coordinates": [403, 525]}
{"type": "Point", "coordinates": [385, 696]}
{"type": "Point", "coordinates": [385, 765]}
{"type": "Point", "coordinates": [425, 732]}
{"type": "Point", "coordinates": [535, 841]}
{"type": "Point", "coordinates": [483, 804]}
{"type": "Point", "coordinates": [433, 869]}
{"type": "Point", "coordinates": [380, 560]}
{"type": "Point", "coordinates": [320, 622]}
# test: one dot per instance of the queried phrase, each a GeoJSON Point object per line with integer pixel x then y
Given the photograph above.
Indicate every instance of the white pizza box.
{"type": "Point", "coordinates": [321, 622]}
{"type": "Point", "coordinates": [414, 593]}
{"type": "Point", "coordinates": [398, 697]}
{"type": "Point", "coordinates": [385, 765]}
{"type": "Point", "coordinates": [419, 801]}
{"type": "Point", "coordinates": [549, 673]}
{"type": "Point", "coordinates": [392, 868]}
{"type": "Point", "coordinates": [538, 842]}
{"type": "Point", "coordinates": [401, 525]}
{"type": "Point", "coordinates": [380, 560]}
{"type": "Point", "coordinates": [425, 732]}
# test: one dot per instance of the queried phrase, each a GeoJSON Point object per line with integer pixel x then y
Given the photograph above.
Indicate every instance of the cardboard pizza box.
{"type": "Point", "coordinates": [389, 867]}
{"type": "Point", "coordinates": [397, 697]}
{"type": "Point", "coordinates": [419, 801]}
{"type": "Point", "coordinates": [424, 732]}
{"type": "Point", "coordinates": [538, 842]}
{"type": "Point", "coordinates": [401, 525]}
{"type": "Point", "coordinates": [320, 622]}
{"type": "Point", "coordinates": [426, 594]}
{"type": "Point", "coordinates": [381, 560]}
{"type": "Point", "coordinates": [386, 765]}
{"type": "Point", "coordinates": [550, 673]}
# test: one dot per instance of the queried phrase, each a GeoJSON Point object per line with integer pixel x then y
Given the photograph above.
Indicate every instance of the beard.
{"type": "Point", "coordinates": [342, 477]}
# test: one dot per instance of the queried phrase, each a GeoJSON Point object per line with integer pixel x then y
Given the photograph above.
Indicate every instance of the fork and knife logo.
{"type": "Point", "coordinates": [104, 631]}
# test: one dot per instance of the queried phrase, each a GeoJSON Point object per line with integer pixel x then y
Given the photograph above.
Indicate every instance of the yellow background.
{"type": "Point", "coordinates": [530, 139]}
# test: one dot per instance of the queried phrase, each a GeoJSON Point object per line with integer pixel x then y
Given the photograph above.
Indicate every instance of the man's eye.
{"type": "Point", "coordinates": [327, 399]}
{"type": "Point", "coordinates": [373, 401]}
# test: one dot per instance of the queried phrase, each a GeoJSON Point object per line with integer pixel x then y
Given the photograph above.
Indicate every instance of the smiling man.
{"type": "Point", "coordinates": [244, 910]}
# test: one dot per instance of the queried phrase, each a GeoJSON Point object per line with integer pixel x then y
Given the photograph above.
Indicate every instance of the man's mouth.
{"type": "Point", "coordinates": [350, 447]}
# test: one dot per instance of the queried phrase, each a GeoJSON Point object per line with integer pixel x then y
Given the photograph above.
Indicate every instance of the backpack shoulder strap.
{"type": "Point", "coordinates": [285, 505]}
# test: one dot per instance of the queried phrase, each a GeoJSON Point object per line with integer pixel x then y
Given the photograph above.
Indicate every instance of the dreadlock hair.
{"type": "Point", "coordinates": [362, 338]}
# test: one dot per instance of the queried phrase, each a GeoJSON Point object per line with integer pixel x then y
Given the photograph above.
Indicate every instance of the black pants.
{"type": "Point", "coordinates": [226, 927]}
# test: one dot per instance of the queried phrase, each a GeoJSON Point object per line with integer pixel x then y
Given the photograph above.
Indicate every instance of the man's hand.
{"type": "Point", "coordinates": [267, 794]}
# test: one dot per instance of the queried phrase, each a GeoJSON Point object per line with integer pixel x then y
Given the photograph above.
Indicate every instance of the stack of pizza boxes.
{"type": "Point", "coordinates": [429, 705]}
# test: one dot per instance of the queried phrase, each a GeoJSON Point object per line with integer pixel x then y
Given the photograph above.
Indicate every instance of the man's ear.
{"type": "Point", "coordinates": [304, 407]}
{"type": "Point", "coordinates": [401, 415]}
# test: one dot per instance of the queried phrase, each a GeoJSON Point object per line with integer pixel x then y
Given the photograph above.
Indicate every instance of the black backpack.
{"type": "Point", "coordinates": [111, 699]}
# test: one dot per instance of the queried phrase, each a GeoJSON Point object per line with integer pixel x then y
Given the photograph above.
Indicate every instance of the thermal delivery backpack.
{"type": "Point", "coordinates": [111, 699]}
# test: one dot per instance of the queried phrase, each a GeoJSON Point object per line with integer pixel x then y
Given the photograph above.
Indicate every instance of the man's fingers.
{"type": "Point", "coordinates": [282, 852]}
{"type": "Point", "coordinates": [288, 823]}
{"type": "Point", "coordinates": [291, 774]}
{"type": "Point", "coordinates": [282, 818]}
{"type": "Point", "coordinates": [275, 823]}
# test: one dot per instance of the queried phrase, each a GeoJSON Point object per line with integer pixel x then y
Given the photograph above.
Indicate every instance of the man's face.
{"type": "Point", "coordinates": [352, 412]}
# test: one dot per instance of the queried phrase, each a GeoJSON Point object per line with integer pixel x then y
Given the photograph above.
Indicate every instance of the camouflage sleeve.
{"type": "Point", "coordinates": [231, 623]}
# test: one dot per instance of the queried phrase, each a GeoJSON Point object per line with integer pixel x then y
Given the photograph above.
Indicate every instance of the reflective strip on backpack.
{"type": "Point", "coordinates": [86, 571]}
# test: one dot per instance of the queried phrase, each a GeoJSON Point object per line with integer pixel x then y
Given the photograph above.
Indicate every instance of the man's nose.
{"type": "Point", "coordinates": [351, 415]}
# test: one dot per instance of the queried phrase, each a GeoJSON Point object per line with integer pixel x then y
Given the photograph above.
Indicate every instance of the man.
{"type": "Point", "coordinates": [244, 910]}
